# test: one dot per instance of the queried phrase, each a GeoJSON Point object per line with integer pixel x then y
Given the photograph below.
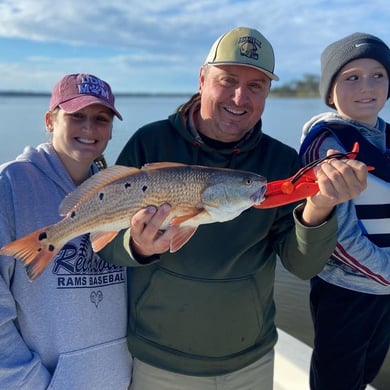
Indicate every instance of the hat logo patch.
{"type": "Point", "coordinates": [94, 86]}
{"type": "Point", "coordinates": [248, 47]}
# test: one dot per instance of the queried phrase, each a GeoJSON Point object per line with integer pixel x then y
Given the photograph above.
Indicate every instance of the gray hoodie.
{"type": "Point", "coordinates": [67, 328]}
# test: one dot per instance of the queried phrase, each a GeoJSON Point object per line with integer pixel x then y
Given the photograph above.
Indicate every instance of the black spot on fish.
{"type": "Point", "coordinates": [73, 214]}
{"type": "Point", "coordinates": [101, 196]}
{"type": "Point", "coordinates": [51, 248]}
{"type": "Point", "coordinates": [42, 236]}
{"type": "Point", "coordinates": [127, 185]}
{"type": "Point", "coordinates": [144, 188]}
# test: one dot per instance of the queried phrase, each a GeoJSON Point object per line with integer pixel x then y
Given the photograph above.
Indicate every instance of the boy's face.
{"type": "Point", "coordinates": [360, 90]}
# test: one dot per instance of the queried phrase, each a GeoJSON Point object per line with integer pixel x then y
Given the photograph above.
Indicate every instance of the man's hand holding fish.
{"type": "Point", "coordinates": [147, 238]}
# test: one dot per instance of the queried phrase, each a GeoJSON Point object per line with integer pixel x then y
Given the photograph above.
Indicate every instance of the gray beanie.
{"type": "Point", "coordinates": [352, 47]}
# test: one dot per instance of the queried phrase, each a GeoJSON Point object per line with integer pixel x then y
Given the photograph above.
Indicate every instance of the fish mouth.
{"type": "Point", "coordinates": [258, 196]}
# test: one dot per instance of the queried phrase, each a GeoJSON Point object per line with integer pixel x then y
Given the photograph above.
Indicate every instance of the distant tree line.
{"type": "Point", "coordinates": [307, 87]}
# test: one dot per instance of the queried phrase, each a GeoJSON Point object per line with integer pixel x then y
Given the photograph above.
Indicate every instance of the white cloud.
{"type": "Point", "coordinates": [159, 46]}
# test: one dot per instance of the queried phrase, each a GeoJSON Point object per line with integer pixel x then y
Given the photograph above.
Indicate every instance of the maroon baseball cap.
{"type": "Point", "coordinates": [77, 91]}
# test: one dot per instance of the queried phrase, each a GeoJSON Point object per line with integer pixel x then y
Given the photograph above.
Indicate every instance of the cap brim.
{"type": "Point", "coordinates": [81, 102]}
{"type": "Point", "coordinates": [270, 75]}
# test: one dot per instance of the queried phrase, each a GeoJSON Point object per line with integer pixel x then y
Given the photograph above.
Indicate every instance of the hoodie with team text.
{"type": "Point", "coordinates": [67, 328]}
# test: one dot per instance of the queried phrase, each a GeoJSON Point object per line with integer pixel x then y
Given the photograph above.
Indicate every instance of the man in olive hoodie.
{"type": "Point", "coordinates": [203, 317]}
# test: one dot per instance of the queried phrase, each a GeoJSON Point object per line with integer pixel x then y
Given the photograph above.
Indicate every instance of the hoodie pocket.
{"type": "Point", "coordinates": [208, 318]}
{"type": "Point", "coordinates": [103, 367]}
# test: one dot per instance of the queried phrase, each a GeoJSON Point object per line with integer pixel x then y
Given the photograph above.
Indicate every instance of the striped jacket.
{"type": "Point", "coordinates": [361, 260]}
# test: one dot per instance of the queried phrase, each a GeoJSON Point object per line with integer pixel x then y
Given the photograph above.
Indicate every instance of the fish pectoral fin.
{"type": "Point", "coordinates": [190, 214]}
{"type": "Point", "coordinates": [182, 236]}
{"type": "Point", "coordinates": [100, 239]}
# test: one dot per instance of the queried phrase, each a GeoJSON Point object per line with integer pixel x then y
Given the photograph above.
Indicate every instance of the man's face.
{"type": "Point", "coordinates": [232, 100]}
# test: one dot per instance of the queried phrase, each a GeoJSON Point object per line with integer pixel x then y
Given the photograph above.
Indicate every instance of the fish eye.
{"type": "Point", "coordinates": [248, 181]}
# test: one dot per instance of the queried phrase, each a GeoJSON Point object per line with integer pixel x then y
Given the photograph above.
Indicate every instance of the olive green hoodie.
{"type": "Point", "coordinates": [208, 309]}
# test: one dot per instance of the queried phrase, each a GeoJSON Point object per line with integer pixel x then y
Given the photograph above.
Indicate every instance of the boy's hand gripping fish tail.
{"type": "Point", "coordinates": [300, 186]}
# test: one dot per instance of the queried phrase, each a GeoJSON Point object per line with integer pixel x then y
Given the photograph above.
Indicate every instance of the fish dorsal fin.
{"type": "Point", "coordinates": [159, 165]}
{"type": "Point", "coordinates": [93, 184]}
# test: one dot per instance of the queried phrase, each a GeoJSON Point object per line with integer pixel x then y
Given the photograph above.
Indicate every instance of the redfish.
{"type": "Point", "coordinates": [104, 204]}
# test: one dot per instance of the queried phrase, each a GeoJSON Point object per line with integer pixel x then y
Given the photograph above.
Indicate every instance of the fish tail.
{"type": "Point", "coordinates": [33, 250]}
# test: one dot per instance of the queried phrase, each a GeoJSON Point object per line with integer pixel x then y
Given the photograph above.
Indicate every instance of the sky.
{"type": "Point", "coordinates": [158, 46]}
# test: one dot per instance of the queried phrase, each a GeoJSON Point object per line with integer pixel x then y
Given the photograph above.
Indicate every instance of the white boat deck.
{"type": "Point", "coordinates": [292, 362]}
